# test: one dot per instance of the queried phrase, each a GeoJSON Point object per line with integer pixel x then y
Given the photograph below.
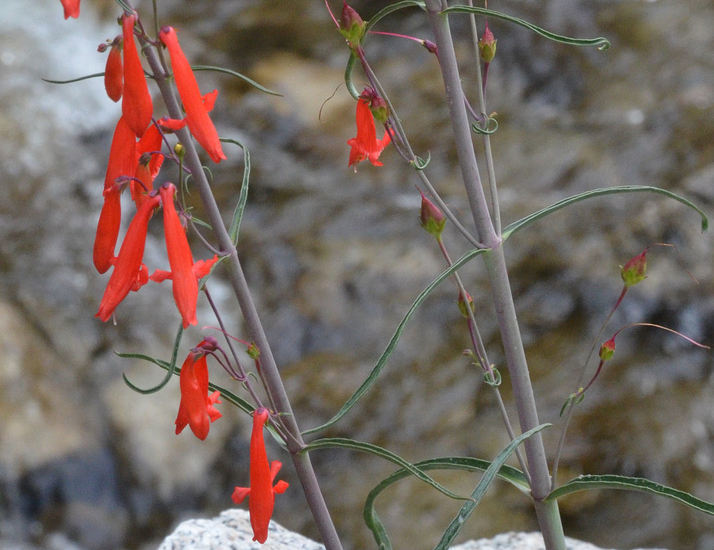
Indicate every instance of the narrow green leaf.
{"type": "Point", "coordinates": [489, 475]}
{"type": "Point", "coordinates": [587, 482]}
{"type": "Point", "coordinates": [514, 476]}
{"type": "Point", "coordinates": [535, 216]}
{"type": "Point", "coordinates": [170, 370]}
{"type": "Point", "coordinates": [236, 74]}
{"type": "Point", "coordinates": [599, 42]}
{"type": "Point", "coordinates": [364, 447]}
{"type": "Point", "coordinates": [391, 8]}
{"type": "Point", "coordinates": [78, 79]}
{"type": "Point", "coordinates": [243, 196]}
{"type": "Point", "coordinates": [372, 377]}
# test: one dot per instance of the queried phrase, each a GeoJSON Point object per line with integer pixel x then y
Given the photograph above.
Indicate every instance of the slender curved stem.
{"type": "Point", "coordinates": [547, 513]}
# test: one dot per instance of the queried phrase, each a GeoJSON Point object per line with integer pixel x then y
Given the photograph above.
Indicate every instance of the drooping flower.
{"type": "Point", "coordinates": [136, 107]}
{"type": "Point", "coordinates": [262, 474]}
{"type": "Point", "coordinates": [122, 162]}
{"type": "Point", "coordinates": [196, 408]}
{"type": "Point", "coordinates": [184, 272]}
{"type": "Point", "coordinates": [71, 8]}
{"type": "Point", "coordinates": [129, 272]}
{"type": "Point", "coordinates": [366, 145]}
{"type": "Point", "coordinates": [114, 71]}
{"type": "Point", "coordinates": [196, 106]}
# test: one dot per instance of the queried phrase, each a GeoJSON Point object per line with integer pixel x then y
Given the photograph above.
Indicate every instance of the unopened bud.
{"type": "Point", "coordinates": [431, 218]}
{"type": "Point", "coordinates": [180, 150]}
{"type": "Point", "coordinates": [635, 270]}
{"type": "Point", "coordinates": [487, 45]}
{"type": "Point", "coordinates": [607, 349]}
{"type": "Point", "coordinates": [462, 304]}
{"type": "Point", "coordinates": [430, 46]}
{"type": "Point", "coordinates": [352, 26]}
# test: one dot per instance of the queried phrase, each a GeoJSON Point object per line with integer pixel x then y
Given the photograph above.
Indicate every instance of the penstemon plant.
{"type": "Point", "coordinates": [146, 66]}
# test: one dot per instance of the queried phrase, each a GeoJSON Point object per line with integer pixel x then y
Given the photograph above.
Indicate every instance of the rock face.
{"type": "Point", "coordinates": [336, 258]}
{"type": "Point", "coordinates": [231, 531]}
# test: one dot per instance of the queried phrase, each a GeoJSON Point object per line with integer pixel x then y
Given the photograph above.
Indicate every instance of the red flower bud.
{"type": "Point", "coordinates": [351, 26]}
{"type": "Point", "coordinates": [635, 270]}
{"type": "Point", "coordinates": [607, 349]}
{"type": "Point", "coordinates": [114, 71]}
{"type": "Point", "coordinates": [462, 304]}
{"type": "Point", "coordinates": [487, 45]}
{"type": "Point", "coordinates": [432, 219]}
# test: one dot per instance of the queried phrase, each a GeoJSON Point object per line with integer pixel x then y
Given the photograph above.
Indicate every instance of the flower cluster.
{"type": "Point", "coordinates": [135, 159]}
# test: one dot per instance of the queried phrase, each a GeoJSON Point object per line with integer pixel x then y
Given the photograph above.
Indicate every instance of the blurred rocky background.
{"type": "Point", "coordinates": [335, 258]}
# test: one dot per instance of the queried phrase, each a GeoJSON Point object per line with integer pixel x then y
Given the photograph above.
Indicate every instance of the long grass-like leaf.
{"type": "Point", "coordinates": [243, 196]}
{"type": "Point", "coordinates": [599, 42]}
{"type": "Point", "coordinates": [372, 377]}
{"type": "Point", "coordinates": [237, 75]}
{"type": "Point", "coordinates": [170, 370]}
{"type": "Point", "coordinates": [78, 79]}
{"type": "Point", "coordinates": [364, 447]}
{"type": "Point", "coordinates": [507, 473]}
{"type": "Point", "coordinates": [489, 475]}
{"type": "Point", "coordinates": [535, 216]}
{"type": "Point", "coordinates": [588, 482]}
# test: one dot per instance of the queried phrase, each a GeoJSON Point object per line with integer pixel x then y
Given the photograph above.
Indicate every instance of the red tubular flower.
{"type": "Point", "coordinates": [114, 72]}
{"type": "Point", "coordinates": [261, 490]}
{"type": "Point", "coordinates": [107, 229]}
{"type": "Point", "coordinates": [122, 162]}
{"type": "Point", "coordinates": [136, 107]}
{"type": "Point", "coordinates": [71, 8]}
{"type": "Point", "coordinates": [196, 407]}
{"type": "Point", "coordinates": [129, 273]}
{"type": "Point", "coordinates": [185, 284]}
{"type": "Point", "coordinates": [196, 106]}
{"type": "Point", "coordinates": [366, 145]}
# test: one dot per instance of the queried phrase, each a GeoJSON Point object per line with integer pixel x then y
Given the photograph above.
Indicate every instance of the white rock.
{"type": "Point", "coordinates": [231, 531]}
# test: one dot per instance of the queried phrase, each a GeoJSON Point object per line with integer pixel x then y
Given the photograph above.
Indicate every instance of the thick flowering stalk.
{"type": "Point", "coordinates": [122, 162]}
{"type": "Point", "coordinates": [196, 408]}
{"type": "Point", "coordinates": [129, 273]}
{"type": "Point", "coordinates": [71, 8]}
{"type": "Point", "coordinates": [136, 107]}
{"type": "Point", "coordinates": [366, 145]}
{"type": "Point", "coordinates": [184, 272]}
{"type": "Point", "coordinates": [262, 474]}
{"type": "Point", "coordinates": [196, 106]}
